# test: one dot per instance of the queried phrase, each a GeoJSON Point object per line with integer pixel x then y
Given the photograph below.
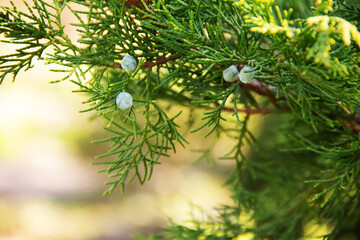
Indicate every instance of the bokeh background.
{"type": "Point", "coordinates": [49, 190]}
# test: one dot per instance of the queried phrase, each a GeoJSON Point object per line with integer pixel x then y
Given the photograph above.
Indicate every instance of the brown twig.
{"type": "Point", "coordinates": [148, 64]}
{"type": "Point", "coordinates": [139, 4]}
{"type": "Point", "coordinates": [159, 62]}
{"type": "Point", "coordinates": [262, 89]}
{"type": "Point", "coordinates": [115, 65]}
{"type": "Point", "coordinates": [250, 111]}
{"type": "Point", "coordinates": [355, 127]}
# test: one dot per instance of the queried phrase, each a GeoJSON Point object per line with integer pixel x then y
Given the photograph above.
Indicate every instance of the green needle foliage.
{"type": "Point", "coordinates": [302, 170]}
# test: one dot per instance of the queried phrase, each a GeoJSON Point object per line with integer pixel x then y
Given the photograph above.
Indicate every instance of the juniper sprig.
{"type": "Point", "coordinates": [296, 63]}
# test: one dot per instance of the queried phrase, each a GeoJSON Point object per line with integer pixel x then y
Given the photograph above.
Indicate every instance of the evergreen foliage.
{"type": "Point", "coordinates": [303, 169]}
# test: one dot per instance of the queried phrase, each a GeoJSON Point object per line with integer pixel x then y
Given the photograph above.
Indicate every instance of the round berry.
{"type": "Point", "coordinates": [124, 100]}
{"type": "Point", "coordinates": [246, 74]}
{"type": "Point", "coordinates": [128, 63]}
{"type": "Point", "coordinates": [230, 74]}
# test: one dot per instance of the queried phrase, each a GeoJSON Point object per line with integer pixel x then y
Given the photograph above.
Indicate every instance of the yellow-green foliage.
{"type": "Point", "coordinates": [335, 25]}
{"type": "Point", "coordinates": [323, 6]}
{"type": "Point", "coordinates": [259, 15]}
{"type": "Point", "coordinates": [263, 17]}
{"type": "Point", "coordinates": [328, 29]}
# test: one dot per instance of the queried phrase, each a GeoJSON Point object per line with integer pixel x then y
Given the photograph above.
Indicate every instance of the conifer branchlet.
{"type": "Point", "coordinates": [304, 81]}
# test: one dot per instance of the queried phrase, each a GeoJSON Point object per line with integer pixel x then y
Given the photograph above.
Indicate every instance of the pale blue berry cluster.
{"type": "Point", "coordinates": [124, 100]}
{"type": "Point", "coordinates": [246, 75]}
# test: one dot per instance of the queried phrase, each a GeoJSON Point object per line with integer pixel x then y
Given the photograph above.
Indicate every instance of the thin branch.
{"type": "Point", "coordinates": [256, 111]}
{"type": "Point", "coordinates": [262, 89]}
{"type": "Point", "coordinates": [159, 62]}
{"type": "Point", "coordinates": [148, 64]}
{"type": "Point", "coordinates": [355, 127]}
{"type": "Point", "coordinates": [139, 4]}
